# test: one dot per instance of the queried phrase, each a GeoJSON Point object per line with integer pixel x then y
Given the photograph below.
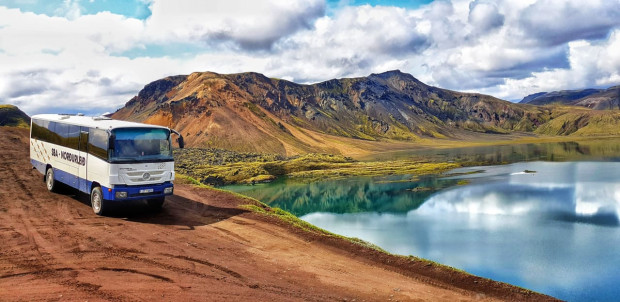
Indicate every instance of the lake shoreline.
{"type": "Point", "coordinates": [535, 162]}
{"type": "Point", "coordinates": [410, 267]}
{"type": "Point", "coordinates": [217, 167]}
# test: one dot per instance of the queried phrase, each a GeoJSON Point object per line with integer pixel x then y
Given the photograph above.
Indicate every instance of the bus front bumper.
{"type": "Point", "coordinates": [123, 192]}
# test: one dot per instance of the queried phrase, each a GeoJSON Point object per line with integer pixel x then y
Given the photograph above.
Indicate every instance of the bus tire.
{"type": "Point", "coordinates": [156, 203]}
{"type": "Point", "coordinates": [97, 201]}
{"type": "Point", "coordinates": [50, 182]}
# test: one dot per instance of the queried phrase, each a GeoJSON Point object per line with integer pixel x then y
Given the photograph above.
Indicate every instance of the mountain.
{"type": "Point", "coordinates": [250, 112]}
{"type": "Point", "coordinates": [605, 99]}
{"type": "Point", "coordinates": [563, 97]}
{"type": "Point", "coordinates": [598, 99]}
{"type": "Point", "coordinates": [531, 97]}
{"type": "Point", "coordinates": [11, 116]}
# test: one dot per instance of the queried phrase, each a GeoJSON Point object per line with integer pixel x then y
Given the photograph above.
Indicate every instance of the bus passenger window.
{"type": "Point", "coordinates": [98, 143]}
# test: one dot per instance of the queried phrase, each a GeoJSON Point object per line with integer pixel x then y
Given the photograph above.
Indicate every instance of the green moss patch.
{"type": "Point", "coordinates": [218, 167]}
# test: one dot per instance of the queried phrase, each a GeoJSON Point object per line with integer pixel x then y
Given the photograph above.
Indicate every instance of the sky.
{"type": "Point", "coordinates": [92, 56]}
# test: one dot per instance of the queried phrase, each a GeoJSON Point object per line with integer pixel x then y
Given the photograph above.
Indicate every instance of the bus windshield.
{"type": "Point", "coordinates": [140, 145]}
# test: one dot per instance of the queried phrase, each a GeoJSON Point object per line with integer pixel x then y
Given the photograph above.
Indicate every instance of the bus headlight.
{"type": "Point", "coordinates": [168, 190]}
{"type": "Point", "coordinates": [120, 195]}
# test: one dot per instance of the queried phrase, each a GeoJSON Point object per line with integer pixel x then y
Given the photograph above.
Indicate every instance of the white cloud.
{"type": "Point", "coordinates": [561, 21]}
{"type": "Point", "coordinates": [47, 61]}
{"type": "Point", "coordinates": [484, 16]}
{"type": "Point", "coordinates": [505, 48]}
{"type": "Point", "coordinates": [591, 64]}
{"type": "Point", "coordinates": [356, 41]}
{"type": "Point", "coordinates": [70, 9]}
{"type": "Point", "coordinates": [248, 24]}
{"type": "Point", "coordinates": [508, 60]}
{"type": "Point", "coordinates": [26, 34]}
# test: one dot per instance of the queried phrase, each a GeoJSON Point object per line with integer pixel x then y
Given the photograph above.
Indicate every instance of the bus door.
{"type": "Point", "coordinates": [83, 153]}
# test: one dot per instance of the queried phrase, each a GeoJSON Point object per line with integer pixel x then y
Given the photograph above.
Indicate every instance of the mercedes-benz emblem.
{"type": "Point", "coordinates": [146, 176]}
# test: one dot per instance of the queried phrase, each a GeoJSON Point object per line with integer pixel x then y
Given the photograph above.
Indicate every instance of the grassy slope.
{"type": "Point", "coordinates": [12, 116]}
{"type": "Point", "coordinates": [220, 167]}
{"type": "Point", "coordinates": [576, 121]}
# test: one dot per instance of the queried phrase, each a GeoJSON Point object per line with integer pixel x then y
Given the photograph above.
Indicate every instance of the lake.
{"type": "Point", "coordinates": [552, 227]}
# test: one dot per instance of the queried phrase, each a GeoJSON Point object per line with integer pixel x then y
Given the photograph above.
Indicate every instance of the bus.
{"type": "Point", "coordinates": [111, 160]}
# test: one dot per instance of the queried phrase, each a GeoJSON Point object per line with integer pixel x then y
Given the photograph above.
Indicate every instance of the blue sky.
{"type": "Point", "coordinates": [410, 4]}
{"type": "Point", "coordinates": [94, 55]}
{"type": "Point", "coordinates": [129, 8]}
{"type": "Point", "coordinates": [140, 9]}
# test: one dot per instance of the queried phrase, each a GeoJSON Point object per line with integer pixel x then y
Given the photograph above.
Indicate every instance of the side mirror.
{"type": "Point", "coordinates": [179, 139]}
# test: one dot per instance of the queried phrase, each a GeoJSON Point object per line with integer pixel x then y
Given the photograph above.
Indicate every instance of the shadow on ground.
{"type": "Point", "coordinates": [177, 210]}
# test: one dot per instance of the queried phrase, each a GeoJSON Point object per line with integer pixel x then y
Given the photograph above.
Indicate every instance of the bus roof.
{"type": "Point", "coordinates": [100, 122]}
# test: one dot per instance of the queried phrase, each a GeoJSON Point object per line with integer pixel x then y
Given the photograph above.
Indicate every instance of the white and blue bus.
{"type": "Point", "coordinates": [111, 160]}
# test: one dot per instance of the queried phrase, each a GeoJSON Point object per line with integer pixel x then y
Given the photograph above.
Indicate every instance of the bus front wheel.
{"type": "Point", "coordinates": [50, 182]}
{"type": "Point", "coordinates": [97, 201]}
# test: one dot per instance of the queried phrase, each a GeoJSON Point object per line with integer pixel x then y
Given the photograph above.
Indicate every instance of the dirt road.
{"type": "Point", "coordinates": [200, 247]}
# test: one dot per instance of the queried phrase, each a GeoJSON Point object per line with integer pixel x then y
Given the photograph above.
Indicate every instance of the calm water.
{"type": "Point", "coordinates": [555, 231]}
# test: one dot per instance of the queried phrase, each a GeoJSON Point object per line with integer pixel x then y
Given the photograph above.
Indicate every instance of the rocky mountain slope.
{"type": "Point", "coordinates": [598, 99]}
{"type": "Point", "coordinates": [250, 112]}
{"type": "Point", "coordinates": [606, 99]}
{"type": "Point", "coordinates": [561, 97]}
{"type": "Point", "coordinates": [12, 116]}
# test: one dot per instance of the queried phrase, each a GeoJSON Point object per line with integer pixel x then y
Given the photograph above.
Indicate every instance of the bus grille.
{"type": "Point", "coordinates": [135, 177]}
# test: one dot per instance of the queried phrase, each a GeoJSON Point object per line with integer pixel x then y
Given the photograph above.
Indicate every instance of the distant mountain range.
{"type": "Point", "coordinates": [251, 112]}
{"type": "Point", "coordinates": [599, 99]}
{"type": "Point", "coordinates": [12, 116]}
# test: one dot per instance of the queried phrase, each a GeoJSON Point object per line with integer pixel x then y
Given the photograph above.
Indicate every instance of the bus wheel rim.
{"type": "Point", "coordinates": [96, 201]}
{"type": "Point", "coordinates": [50, 179]}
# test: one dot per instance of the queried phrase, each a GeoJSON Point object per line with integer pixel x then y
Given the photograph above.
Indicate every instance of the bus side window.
{"type": "Point", "coordinates": [52, 137]}
{"type": "Point", "coordinates": [83, 139]}
{"type": "Point", "coordinates": [38, 129]}
{"type": "Point", "coordinates": [62, 131]}
{"type": "Point", "coordinates": [44, 133]}
{"type": "Point", "coordinates": [73, 137]}
{"type": "Point", "coordinates": [98, 143]}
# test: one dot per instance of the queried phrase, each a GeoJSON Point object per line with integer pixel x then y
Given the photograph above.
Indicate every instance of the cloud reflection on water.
{"type": "Point", "coordinates": [585, 192]}
{"type": "Point", "coordinates": [554, 231]}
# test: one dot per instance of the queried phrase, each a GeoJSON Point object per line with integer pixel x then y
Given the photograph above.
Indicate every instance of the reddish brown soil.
{"type": "Point", "coordinates": [200, 247]}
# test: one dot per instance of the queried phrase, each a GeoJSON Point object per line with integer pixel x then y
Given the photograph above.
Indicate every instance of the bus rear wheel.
{"type": "Point", "coordinates": [50, 182]}
{"type": "Point", "coordinates": [156, 203]}
{"type": "Point", "coordinates": [97, 201]}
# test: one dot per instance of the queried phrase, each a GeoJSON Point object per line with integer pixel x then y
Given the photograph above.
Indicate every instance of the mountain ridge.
{"type": "Point", "coordinates": [251, 112]}
{"type": "Point", "coordinates": [12, 116]}
{"type": "Point", "coordinates": [593, 98]}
